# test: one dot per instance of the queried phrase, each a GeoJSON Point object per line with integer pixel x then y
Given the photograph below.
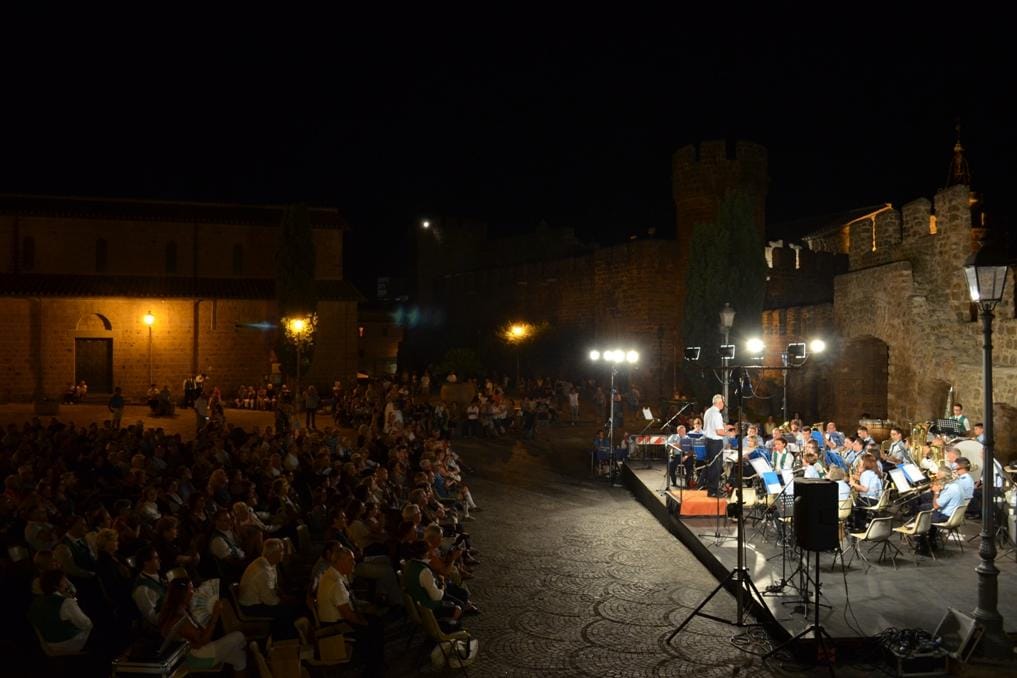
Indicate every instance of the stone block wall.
{"type": "Point", "coordinates": [912, 298]}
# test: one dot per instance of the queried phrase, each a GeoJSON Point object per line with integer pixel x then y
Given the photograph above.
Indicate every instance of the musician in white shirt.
{"type": "Point", "coordinates": [782, 459]}
{"type": "Point", "coordinates": [715, 432]}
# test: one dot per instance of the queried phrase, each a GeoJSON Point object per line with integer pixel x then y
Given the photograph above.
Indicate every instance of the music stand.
{"type": "Point", "coordinates": [649, 419]}
{"type": "Point", "coordinates": [950, 426]}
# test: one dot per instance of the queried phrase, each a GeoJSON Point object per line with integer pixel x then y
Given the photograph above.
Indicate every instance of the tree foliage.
{"type": "Point", "coordinates": [726, 265]}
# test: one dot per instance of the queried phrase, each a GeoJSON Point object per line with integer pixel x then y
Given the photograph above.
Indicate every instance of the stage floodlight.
{"type": "Point", "coordinates": [796, 351]}
{"type": "Point", "coordinates": [632, 357]}
{"type": "Point", "coordinates": [595, 355]}
{"type": "Point", "coordinates": [817, 346]}
{"type": "Point", "coordinates": [692, 353]}
{"type": "Point", "coordinates": [727, 351]}
{"type": "Point", "coordinates": [755, 346]}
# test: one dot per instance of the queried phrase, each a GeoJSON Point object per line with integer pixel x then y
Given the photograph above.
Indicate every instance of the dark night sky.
{"type": "Point", "coordinates": [510, 120]}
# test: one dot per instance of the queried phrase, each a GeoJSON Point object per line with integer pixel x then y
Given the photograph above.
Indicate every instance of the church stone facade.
{"type": "Point", "coordinates": [80, 275]}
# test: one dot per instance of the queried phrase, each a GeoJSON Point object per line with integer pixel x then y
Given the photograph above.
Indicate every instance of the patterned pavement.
{"type": "Point", "coordinates": [578, 579]}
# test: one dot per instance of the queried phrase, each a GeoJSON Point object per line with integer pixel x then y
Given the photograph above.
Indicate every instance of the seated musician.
{"type": "Point", "coordinates": [833, 435]}
{"type": "Point", "coordinates": [813, 469]}
{"type": "Point", "coordinates": [869, 487]}
{"type": "Point", "coordinates": [678, 456]}
{"type": "Point", "coordinates": [898, 452]}
{"type": "Point", "coordinates": [782, 458]}
{"type": "Point", "coordinates": [962, 421]}
{"type": "Point", "coordinates": [853, 452]}
{"type": "Point", "coordinates": [863, 434]}
{"type": "Point", "coordinates": [843, 489]}
{"type": "Point", "coordinates": [832, 456]}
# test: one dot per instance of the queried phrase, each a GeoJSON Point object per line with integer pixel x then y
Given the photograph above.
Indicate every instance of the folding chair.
{"type": "Point", "coordinates": [444, 640]}
{"type": "Point", "coordinates": [953, 526]}
{"type": "Point", "coordinates": [919, 527]}
{"type": "Point", "coordinates": [877, 534]}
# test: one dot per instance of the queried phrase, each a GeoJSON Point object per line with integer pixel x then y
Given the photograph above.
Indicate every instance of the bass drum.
{"type": "Point", "coordinates": [879, 429]}
{"type": "Point", "coordinates": [973, 450]}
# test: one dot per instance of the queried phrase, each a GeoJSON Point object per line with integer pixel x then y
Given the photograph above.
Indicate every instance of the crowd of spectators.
{"type": "Point", "coordinates": [109, 531]}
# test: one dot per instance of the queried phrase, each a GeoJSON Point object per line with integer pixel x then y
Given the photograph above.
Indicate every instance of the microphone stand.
{"type": "Point", "coordinates": [717, 536]}
{"type": "Point", "coordinates": [676, 414]}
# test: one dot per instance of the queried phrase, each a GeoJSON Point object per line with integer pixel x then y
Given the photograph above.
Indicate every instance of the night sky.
{"type": "Point", "coordinates": [509, 120]}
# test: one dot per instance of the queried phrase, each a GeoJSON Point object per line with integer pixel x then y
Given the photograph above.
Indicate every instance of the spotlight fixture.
{"type": "Point", "coordinates": [796, 352]}
{"type": "Point", "coordinates": [727, 351]}
{"type": "Point", "coordinates": [755, 347]}
{"type": "Point", "coordinates": [692, 353]}
{"type": "Point", "coordinates": [817, 345]}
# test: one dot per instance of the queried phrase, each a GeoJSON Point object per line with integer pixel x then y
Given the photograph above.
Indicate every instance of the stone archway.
{"type": "Point", "coordinates": [860, 384]}
{"type": "Point", "coordinates": [93, 352]}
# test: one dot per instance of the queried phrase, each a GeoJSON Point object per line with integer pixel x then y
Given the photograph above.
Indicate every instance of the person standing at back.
{"type": "Point", "coordinates": [116, 407]}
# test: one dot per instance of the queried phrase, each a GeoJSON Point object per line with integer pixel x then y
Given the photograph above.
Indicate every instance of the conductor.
{"type": "Point", "coordinates": [713, 427]}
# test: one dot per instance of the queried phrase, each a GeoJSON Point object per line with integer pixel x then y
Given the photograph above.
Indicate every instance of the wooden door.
{"type": "Point", "coordinates": [93, 362]}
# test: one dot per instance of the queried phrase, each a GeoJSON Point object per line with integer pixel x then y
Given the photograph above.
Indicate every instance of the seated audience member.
{"type": "Point", "coordinates": [57, 617]}
{"type": "Point", "coordinates": [259, 591]}
{"type": "Point", "coordinates": [177, 623]}
{"type": "Point", "coordinates": [426, 589]}
{"type": "Point", "coordinates": [336, 604]}
{"type": "Point", "coordinates": [73, 553]}
{"type": "Point", "coordinates": [149, 589]}
{"type": "Point", "coordinates": [224, 545]}
{"type": "Point", "coordinates": [113, 572]}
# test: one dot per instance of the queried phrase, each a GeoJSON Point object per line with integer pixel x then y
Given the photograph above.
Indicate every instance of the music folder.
{"type": "Point", "coordinates": [900, 480]}
{"type": "Point", "coordinates": [913, 473]}
{"type": "Point", "coordinates": [772, 482]}
{"type": "Point", "coordinates": [647, 414]}
{"type": "Point", "coordinates": [761, 466]}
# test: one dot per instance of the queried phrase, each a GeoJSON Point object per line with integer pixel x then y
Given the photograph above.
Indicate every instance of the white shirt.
{"type": "Point", "coordinates": [333, 593]}
{"type": "Point", "coordinates": [69, 611]}
{"type": "Point", "coordinates": [259, 584]}
{"type": "Point", "coordinates": [713, 420]}
{"type": "Point", "coordinates": [146, 599]}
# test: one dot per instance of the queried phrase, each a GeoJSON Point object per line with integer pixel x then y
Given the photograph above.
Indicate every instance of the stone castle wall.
{"type": "Point", "coordinates": [906, 290]}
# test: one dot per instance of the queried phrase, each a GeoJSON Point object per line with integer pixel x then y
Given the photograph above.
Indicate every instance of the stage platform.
{"type": "Point", "coordinates": [861, 604]}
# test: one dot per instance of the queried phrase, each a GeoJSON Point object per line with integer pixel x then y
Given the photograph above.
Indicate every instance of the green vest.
{"type": "Point", "coordinates": [413, 587]}
{"type": "Point", "coordinates": [44, 614]}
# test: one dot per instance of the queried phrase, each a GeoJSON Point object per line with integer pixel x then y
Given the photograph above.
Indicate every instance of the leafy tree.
{"type": "Point", "coordinates": [296, 294]}
{"type": "Point", "coordinates": [726, 265]}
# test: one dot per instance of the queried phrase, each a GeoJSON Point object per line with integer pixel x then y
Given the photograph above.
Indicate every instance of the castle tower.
{"type": "Point", "coordinates": [701, 175]}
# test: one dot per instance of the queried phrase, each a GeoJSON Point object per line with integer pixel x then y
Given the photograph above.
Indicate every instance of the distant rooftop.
{"type": "Point", "coordinates": [159, 210]}
{"type": "Point", "coordinates": [819, 226]}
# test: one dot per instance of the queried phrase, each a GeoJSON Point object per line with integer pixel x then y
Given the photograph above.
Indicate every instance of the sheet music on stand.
{"type": "Point", "coordinates": [900, 480]}
{"type": "Point", "coordinates": [947, 426]}
{"type": "Point", "coordinates": [913, 473]}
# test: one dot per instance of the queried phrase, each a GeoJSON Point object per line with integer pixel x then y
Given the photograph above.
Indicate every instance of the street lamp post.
{"type": "Point", "coordinates": [986, 272]}
{"type": "Point", "coordinates": [297, 327]}
{"type": "Point", "coordinates": [727, 315]}
{"type": "Point", "coordinates": [614, 358]}
{"type": "Point", "coordinates": [149, 320]}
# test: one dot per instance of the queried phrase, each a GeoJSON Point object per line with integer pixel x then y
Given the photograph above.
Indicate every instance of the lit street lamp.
{"type": "Point", "coordinates": [615, 358]}
{"type": "Point", "coordinates": [517, 334]}
{"type": "Point", "coordinates": [149, 320]}
{"type": "Point", "coordinates": [986, 271]}
{"type": "Point", "coordinates": [297, 328]}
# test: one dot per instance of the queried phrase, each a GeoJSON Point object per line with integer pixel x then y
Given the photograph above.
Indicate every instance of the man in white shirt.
{"type": "Point", "coordinates": [715, 432]}
{"type": "Point", "coordinates": [149, 589]}
{"type": "Point", "coordinates": [259, 594]}
{"type": "Point", "coordinates": [335, 604]}
{"type": "Point", "coordinates": [56, 615]}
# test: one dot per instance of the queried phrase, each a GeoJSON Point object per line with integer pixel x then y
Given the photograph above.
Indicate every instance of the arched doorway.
{"type": "Point", "coordinates": [860, 385]}
{"type": "Point", "coordinates": [93, 353]}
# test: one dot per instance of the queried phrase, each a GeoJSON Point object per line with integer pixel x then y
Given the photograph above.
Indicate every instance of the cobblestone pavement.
{"type": "Point", "coordinates": [578, 579]}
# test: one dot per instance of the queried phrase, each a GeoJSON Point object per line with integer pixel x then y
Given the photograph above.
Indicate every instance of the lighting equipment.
{"type": "Point", "coordinates": [614, 358]}
{"type": "Point", "coordinates": [727, 351]}
{"type": "Point", "coordinates": [692, 353]}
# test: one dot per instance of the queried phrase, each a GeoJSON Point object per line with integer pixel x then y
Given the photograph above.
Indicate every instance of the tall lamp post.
{"type": "Point", "coordinates": [986, 271]}
{"type": "Point", "coordinates": [297, 327]}
{"type": "Point", "coordinates": [727, 316]}
{"type": "Point", "coordinates": [517, 334]}
{"type": "Point", "coordinates": [149, 320]}
{"type": "Point", "coordinates": [614, 358]}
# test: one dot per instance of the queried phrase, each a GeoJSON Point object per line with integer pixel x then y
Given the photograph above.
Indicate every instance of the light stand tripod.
{"type": "Point", "coordinates": [745, 590]}
{"type": "Point", "coordinates": [823, 639]}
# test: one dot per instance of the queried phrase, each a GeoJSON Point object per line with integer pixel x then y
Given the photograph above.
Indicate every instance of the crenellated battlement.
{"type": "Point", "coordinates": [799, 276]}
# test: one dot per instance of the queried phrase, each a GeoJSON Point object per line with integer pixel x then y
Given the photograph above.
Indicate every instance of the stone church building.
{"type": "Point", "coordinates": [80, 275]}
